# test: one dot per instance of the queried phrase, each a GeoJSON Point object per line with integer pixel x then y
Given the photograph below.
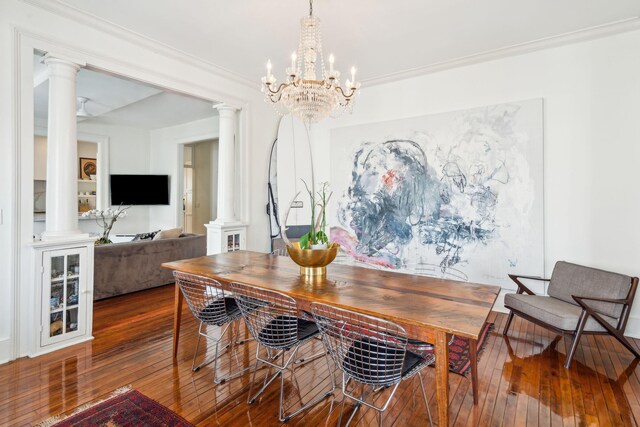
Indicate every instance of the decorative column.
{"type": "Point", "coordinates": [56, 310]}
{"type": "Point", "coordinates": [226, 163]}
{"type": "Point", "coordinates": [226, 233]}
{"type": "Point", "coordinates": [62, 152]}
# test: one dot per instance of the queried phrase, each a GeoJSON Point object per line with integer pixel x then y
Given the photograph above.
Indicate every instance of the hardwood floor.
{"type": "Point", "coordinates": [522, 378]}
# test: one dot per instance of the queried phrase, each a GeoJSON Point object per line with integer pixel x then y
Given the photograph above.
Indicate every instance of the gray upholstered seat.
{"type": "Point", "coordinates": [554, 312]}
{"type": "Point", "coordinates": [581, 300]}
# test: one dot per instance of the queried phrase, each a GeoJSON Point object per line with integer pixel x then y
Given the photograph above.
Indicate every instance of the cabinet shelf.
{"type": "Point", "coordinates": [87, 196]}
{"type": "Point", "coordinates": [61, 309]}
{"type": "Point", "coordinates": [87, 181]}
{"type": "Point", "coordinates": [59, 280]}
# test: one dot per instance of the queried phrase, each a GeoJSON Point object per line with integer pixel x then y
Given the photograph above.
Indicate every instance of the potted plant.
{"type": "Point", "coordinates": [317, 237]}
{"type": "Point", "coordinates": [314, 251]}
{"type": "Point", "coordinates": [106, 219]}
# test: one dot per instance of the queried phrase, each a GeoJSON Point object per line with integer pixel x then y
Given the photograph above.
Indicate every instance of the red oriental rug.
{"type": "Point", "coordinates": [459, 357]}
{"type": "Point", "coordinates": [129, 408]}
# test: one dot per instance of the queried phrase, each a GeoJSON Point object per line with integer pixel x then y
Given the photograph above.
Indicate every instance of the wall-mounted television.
{"type": "Point", "coordinates": [139, 190]}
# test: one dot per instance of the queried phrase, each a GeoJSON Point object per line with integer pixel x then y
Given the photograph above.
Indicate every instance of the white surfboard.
{"type": "Point", "coordinates": [294, 164]}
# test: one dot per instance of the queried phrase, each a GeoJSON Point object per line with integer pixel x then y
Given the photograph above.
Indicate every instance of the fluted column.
{"type": "Point", "coordinates": [62, 151]}
{"type": "Point", "coordinates": [226, 164]}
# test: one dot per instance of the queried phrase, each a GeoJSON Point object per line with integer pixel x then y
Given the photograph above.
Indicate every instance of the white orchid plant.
{"type": "Point", "coordinates": [105, 219]}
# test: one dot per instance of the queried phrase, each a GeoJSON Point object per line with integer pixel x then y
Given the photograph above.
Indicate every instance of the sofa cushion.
{"type": "Point", "coordinates": [553, 311]}
{"type": "Point", "coordinates": [145, 236]}
{"type": "Point", "coordinates": [171, 233]}
{"type": "Point", "coordinates": [571, 279]}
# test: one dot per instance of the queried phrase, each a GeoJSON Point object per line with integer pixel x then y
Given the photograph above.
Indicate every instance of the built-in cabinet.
{"type": "Point", "coordinates": [87, 194]}
{"type": "Point", "coordinates": [88, 189]}
{"type": "Point", "coordinates": [63, 294]}
{"type": "Point", "coordinates": [225, 238]}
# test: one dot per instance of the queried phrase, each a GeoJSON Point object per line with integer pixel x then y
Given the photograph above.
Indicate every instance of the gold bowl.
{"type": "Point", "coordinates": [313, 262]}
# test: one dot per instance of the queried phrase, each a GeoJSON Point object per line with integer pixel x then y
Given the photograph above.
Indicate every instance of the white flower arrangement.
{"type": "Point", "coordinates": [105, 219]}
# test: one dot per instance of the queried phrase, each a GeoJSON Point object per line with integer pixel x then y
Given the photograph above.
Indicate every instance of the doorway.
{"type": "Point", "coordinates": [200, 183]}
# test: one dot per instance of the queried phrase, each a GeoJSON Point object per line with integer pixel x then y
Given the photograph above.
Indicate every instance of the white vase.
{"type": "Point", "coordinates": [319, 246]}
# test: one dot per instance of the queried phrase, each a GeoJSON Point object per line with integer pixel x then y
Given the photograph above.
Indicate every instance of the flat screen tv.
{"type": "Point", "coordinates": [139, 190]}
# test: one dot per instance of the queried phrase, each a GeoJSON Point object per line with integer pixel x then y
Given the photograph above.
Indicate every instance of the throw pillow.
{"type": "Point", "coordinates": [146, 236]}
{"type": "Point", "coordinates": [171, 233]}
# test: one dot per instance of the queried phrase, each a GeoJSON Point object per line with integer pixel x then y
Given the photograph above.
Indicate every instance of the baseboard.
{"type": "Point", "coordinates": [6, 350]}
{"type": "Point", "coordinates": [499, 304]}
{"type": "Point", "coordinates": [633, 327]}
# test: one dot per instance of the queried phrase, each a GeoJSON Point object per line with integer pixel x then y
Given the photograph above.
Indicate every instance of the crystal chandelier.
{"type": "Point", "coordinates": [304, 94]}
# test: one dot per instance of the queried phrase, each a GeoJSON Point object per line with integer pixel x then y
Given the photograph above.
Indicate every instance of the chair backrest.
{"type": "Point", "coordinates": [280, 252]}
{"type": "Point", "coordinates": [272, 317]}
{"type": "Point", "coordinates": [205, 297]}
{"type": "Point", "coordinates": [367, 349]}
{"type": "Point", "coordinates": [572, 279]}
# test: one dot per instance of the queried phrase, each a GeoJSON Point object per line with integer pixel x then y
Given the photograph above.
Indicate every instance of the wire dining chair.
{"type": "Point", "coordinates": [370, 351]}
{"type": "Point", "coordinates": [212, 307]}
{"type": "Point", "coordinates": [272, 319]}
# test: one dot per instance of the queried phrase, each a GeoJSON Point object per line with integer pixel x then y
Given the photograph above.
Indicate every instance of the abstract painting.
{"type": "Point", "coordinates": [456, 195]}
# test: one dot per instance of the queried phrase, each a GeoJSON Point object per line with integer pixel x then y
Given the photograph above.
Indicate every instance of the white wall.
{"type": "Point", "coordinates": [128, 154]}
{"type": "Point", "coordinates": [70, 33]}
{"type": "Point", "coordinates": [591, 94]}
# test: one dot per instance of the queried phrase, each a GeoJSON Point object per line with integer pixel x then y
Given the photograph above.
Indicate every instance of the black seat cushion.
{"type": "Point", "coordinates": [419, 344]}
{"type": "Point", "coordinates": [279, 333]}
{"type": "Point", "coordinates": [213, 309]}
{"type": "Point", "coordinates": [372, 362]}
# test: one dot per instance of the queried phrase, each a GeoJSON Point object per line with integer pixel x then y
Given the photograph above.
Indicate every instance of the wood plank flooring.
{"type": "Point", "coordinates": [522, 378]}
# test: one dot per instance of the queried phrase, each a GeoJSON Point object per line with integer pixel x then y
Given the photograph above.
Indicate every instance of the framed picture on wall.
{"type": "Point", "coordinates": [88, 167]}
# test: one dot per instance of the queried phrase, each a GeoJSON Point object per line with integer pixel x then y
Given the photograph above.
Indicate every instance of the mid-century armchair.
{"type": "Point", "coordinates": [582, 300]}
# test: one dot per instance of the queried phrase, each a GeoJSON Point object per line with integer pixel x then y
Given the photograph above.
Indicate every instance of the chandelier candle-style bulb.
{"type": "Point", "coordinates": [310, 92]}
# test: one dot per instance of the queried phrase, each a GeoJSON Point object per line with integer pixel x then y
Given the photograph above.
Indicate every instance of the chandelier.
{"type": "Point", "coordinates": [304, 94]}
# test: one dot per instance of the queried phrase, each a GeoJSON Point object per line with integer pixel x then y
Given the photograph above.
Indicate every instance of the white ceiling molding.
{"type": "Point", "coordinates": [77, 15]}
{"type": "Point", "coordinates": [519, 49]}
{"type": "Point", "coordinates": [68, 11]}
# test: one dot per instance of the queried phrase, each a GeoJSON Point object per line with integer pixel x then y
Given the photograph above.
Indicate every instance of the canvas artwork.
{"type": "Point", "coordinates": [456, 195]}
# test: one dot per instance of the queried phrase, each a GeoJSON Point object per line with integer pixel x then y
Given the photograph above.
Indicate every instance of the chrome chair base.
{"type": "Point", "coordinates": [292, 363]}
{"type": "Point", "coordinates": [360, 400]}
{"type": "Point", "coordinates": [219, 351]}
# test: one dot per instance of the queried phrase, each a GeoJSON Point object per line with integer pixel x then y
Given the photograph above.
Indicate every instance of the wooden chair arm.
{"type": "Point", "coordinates": [521, 286]}
{"type": "Point", "coordinates": [514, 276]}
{"type": "Point", "coordinates": [578, 299]}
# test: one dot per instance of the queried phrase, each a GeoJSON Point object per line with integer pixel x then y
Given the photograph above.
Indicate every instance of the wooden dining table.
{"type": "Point", "coordinates": [429, 309]}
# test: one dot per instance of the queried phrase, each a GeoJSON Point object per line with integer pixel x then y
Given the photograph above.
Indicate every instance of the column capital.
{"type": "Point", "coordinates": [225, 109]}
{"type": "Point", "coordinates": [53, 60]}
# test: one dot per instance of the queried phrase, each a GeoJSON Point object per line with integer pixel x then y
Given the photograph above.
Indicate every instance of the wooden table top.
{"type": "Point", "coordinates": [455, 307]}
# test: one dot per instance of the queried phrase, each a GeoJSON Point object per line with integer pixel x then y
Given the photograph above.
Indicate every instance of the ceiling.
{"type": "Point", "coordinates": [380, 38]}
{"type": "Point", "coordinates": [122, 102]}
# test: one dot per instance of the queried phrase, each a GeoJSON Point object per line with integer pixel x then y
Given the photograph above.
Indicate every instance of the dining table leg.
{"type": "Point", "coordinates": [177, 317]}
{"type": "Point", "coordinates": [442, 377]}
{"type": "Point", "coordinates": [473, 352]}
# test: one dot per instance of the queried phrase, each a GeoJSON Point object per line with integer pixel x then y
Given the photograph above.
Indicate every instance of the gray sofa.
{"type": "Point", "coordinates": [121, 268]}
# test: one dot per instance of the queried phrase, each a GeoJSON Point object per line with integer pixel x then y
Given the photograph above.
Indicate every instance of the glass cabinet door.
{"type": "Point", "coordinates": [62, 289]}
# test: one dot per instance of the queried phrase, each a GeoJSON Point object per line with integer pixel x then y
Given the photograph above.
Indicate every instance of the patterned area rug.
{"type": "Point", "coordinates": [128, 408]}
{"type": "Point", "coordinates": [459, 358]}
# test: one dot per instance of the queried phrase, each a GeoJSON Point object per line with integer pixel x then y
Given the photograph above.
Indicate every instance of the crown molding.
{"type": "Point", "coordinates": [65, 10]}
{"type": "Point", "coordinates": [585, 34]}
